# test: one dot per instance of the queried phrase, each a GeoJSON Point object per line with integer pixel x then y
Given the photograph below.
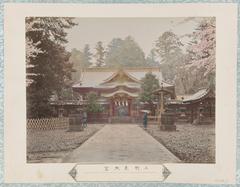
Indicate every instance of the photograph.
{"type": "Point", "coordinates": [120, 90]}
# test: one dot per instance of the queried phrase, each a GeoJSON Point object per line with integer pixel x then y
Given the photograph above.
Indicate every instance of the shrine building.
{"type": "Point", "coordinates": [117, 89]}
{"type": "Point", "coordinates": [118, 94]}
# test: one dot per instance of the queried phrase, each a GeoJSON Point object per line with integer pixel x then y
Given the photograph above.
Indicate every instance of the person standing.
{"type": "Point", "coordinates": [145, 120]}
{"type": "Point", "coordinates": [84, 119]}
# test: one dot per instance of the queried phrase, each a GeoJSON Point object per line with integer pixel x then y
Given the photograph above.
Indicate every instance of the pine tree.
{"type": "Point", "coordinates": [149, 84]}
{"type": "Point", "coordinates": [48, 71]}
{"type": "Point", "coordinates": [168, 47]}
{"type": "Point", "coordinates": [151, 59]}
{"type": "Point", "coordinates": [76, 59]}
{"type": "Point", "coordinates": [100, 54]}
{"type": "Point", "coordinates": [87, 56]}
{"type": "Point", "coordinates": [125, 53]}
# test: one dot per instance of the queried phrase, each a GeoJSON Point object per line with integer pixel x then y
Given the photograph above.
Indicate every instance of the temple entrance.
{"type": "Point", "coordinates": [122, 111]}
{"type": "Point", "coordinates": [121, 107]}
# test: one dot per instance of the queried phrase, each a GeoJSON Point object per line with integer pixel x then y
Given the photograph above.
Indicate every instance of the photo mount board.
{"type": "Point", "coordinates": [16, 170]}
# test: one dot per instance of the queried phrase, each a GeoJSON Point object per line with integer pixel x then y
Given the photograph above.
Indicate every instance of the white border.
{"type": "Point", "coordinates": [16, 169]}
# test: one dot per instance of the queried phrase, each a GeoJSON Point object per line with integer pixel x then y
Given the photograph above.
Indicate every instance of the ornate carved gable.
{"type": "Point", "coordinates": [120, 77]}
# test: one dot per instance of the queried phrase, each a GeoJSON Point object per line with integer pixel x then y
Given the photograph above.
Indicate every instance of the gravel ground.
{"type": "Point", "coordinates": [192, 144]}
{"type": "Point", "coordinates": [53, 145]}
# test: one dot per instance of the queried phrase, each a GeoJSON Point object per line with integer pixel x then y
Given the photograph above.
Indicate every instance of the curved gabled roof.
{"type": "Point", "coordinates": [198, 95]}
{"type": "Point", "coordinates": [95, 77]}
{"type": "Point", "coordinates": [122, 73]}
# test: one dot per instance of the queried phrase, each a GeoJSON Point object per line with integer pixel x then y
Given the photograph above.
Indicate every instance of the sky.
{"type": "Point", "coordinates": [145, 31]}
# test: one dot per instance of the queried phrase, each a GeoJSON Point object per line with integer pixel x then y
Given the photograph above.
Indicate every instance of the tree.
{"type": "Point", "coordinates": [152, 59]}
{"type": "Point", "coordinates": [203, 47]}
{"type": "Point", "coordinates": [100, 54]}
{"type": "Point", "coordinates": [50, 70]}
{"type": "Point", "coordinates": [168, 47]}
{"type": "Point", "coordinates": [80, 61]}
{"type": "Point", "coordinates": [198, 67]}
{"type": "Point", "coordinates": [87, 56]}
{"type": "Point", "coordinates": [92, 103]}
{"type": "Point", "coordinates": [67, 93]}
{"type": "Point", "coordinates": [149, 84]}
{"type": "Point", "coordinates": [32, 49]}
{"type": "Point", "coordinates": [188, 81]}
{"type": "Point", "coordinates": [77, 60]}
{"type": "Point", "coordinates": [125, 53]}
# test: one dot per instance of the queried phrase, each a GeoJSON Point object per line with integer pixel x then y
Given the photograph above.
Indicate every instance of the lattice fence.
{"type": "Point", "coordinates": [47, 123]}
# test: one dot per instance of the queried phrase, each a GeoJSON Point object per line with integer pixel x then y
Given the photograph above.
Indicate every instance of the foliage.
{"type": "Point", "coordinates": [151, 59]}
{"type": "Point", "coordinates": [92, 103]}
{"type": "Point", "coordinates": [189, 81]}
{"type": "Point", "coordinates": [76, 59]}
{"type": "Point", "coordinates": [198, 64]}
{"type": "Point", "coordinates": [203, 47]}
{"type": "Point", "coordinates": [80, 60]}
{"type": "Point", "coordinates": [67, 93]}
{"type": "Point", "coordinates": [32, 49]}
{"type": "Point", "coordinates": [168, 47]}
{"type": "Point", "coordinates": [48, 71]}
{"type": "Point", "coordinates": [87, 56]}
{"type": "Point", "coordinates": [124, 53]}
{"type": "Point", "coordinates": [195, 68]}
{"type": "Point", "coordinates": [148, 84]}
{"type": "Point", "coordinates": [100, 54]}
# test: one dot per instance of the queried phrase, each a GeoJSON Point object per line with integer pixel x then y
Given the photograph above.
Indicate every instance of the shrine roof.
{"type": "Point", "coordinates": [94, 77]}
{"type": "Point", "coordinates": [198, 95]}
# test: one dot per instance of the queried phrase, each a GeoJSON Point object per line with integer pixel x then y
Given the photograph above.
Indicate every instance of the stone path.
{"type": "Point", "coordinates": [121, 143]}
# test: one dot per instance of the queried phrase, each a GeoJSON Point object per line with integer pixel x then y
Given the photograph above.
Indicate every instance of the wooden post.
{"type": "Point", "coordinates": [113, 107]}
{"type": "Point", "coordinates": [110, 107]}
{"type": "Point", "coordinates": [162, 103]}
{"type": "Point", "coordinates": [129, 106]}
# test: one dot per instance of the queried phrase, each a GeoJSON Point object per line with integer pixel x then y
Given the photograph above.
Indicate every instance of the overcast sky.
{"type": "Point", "coordinates": [145, 31]}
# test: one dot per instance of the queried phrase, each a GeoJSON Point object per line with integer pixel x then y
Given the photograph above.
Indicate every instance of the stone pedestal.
{"type": "Point", "coordinates": [75, 123]}
{"type": "Point", "coordinates": [168, 122]}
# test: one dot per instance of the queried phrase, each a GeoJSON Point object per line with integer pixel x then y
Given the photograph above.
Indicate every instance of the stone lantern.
{"type": "Point", "coordinates": [166, 118]}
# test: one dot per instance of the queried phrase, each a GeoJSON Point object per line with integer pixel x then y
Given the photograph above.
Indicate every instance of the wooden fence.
{"type": "Point", "coordinates": [47, 123]}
